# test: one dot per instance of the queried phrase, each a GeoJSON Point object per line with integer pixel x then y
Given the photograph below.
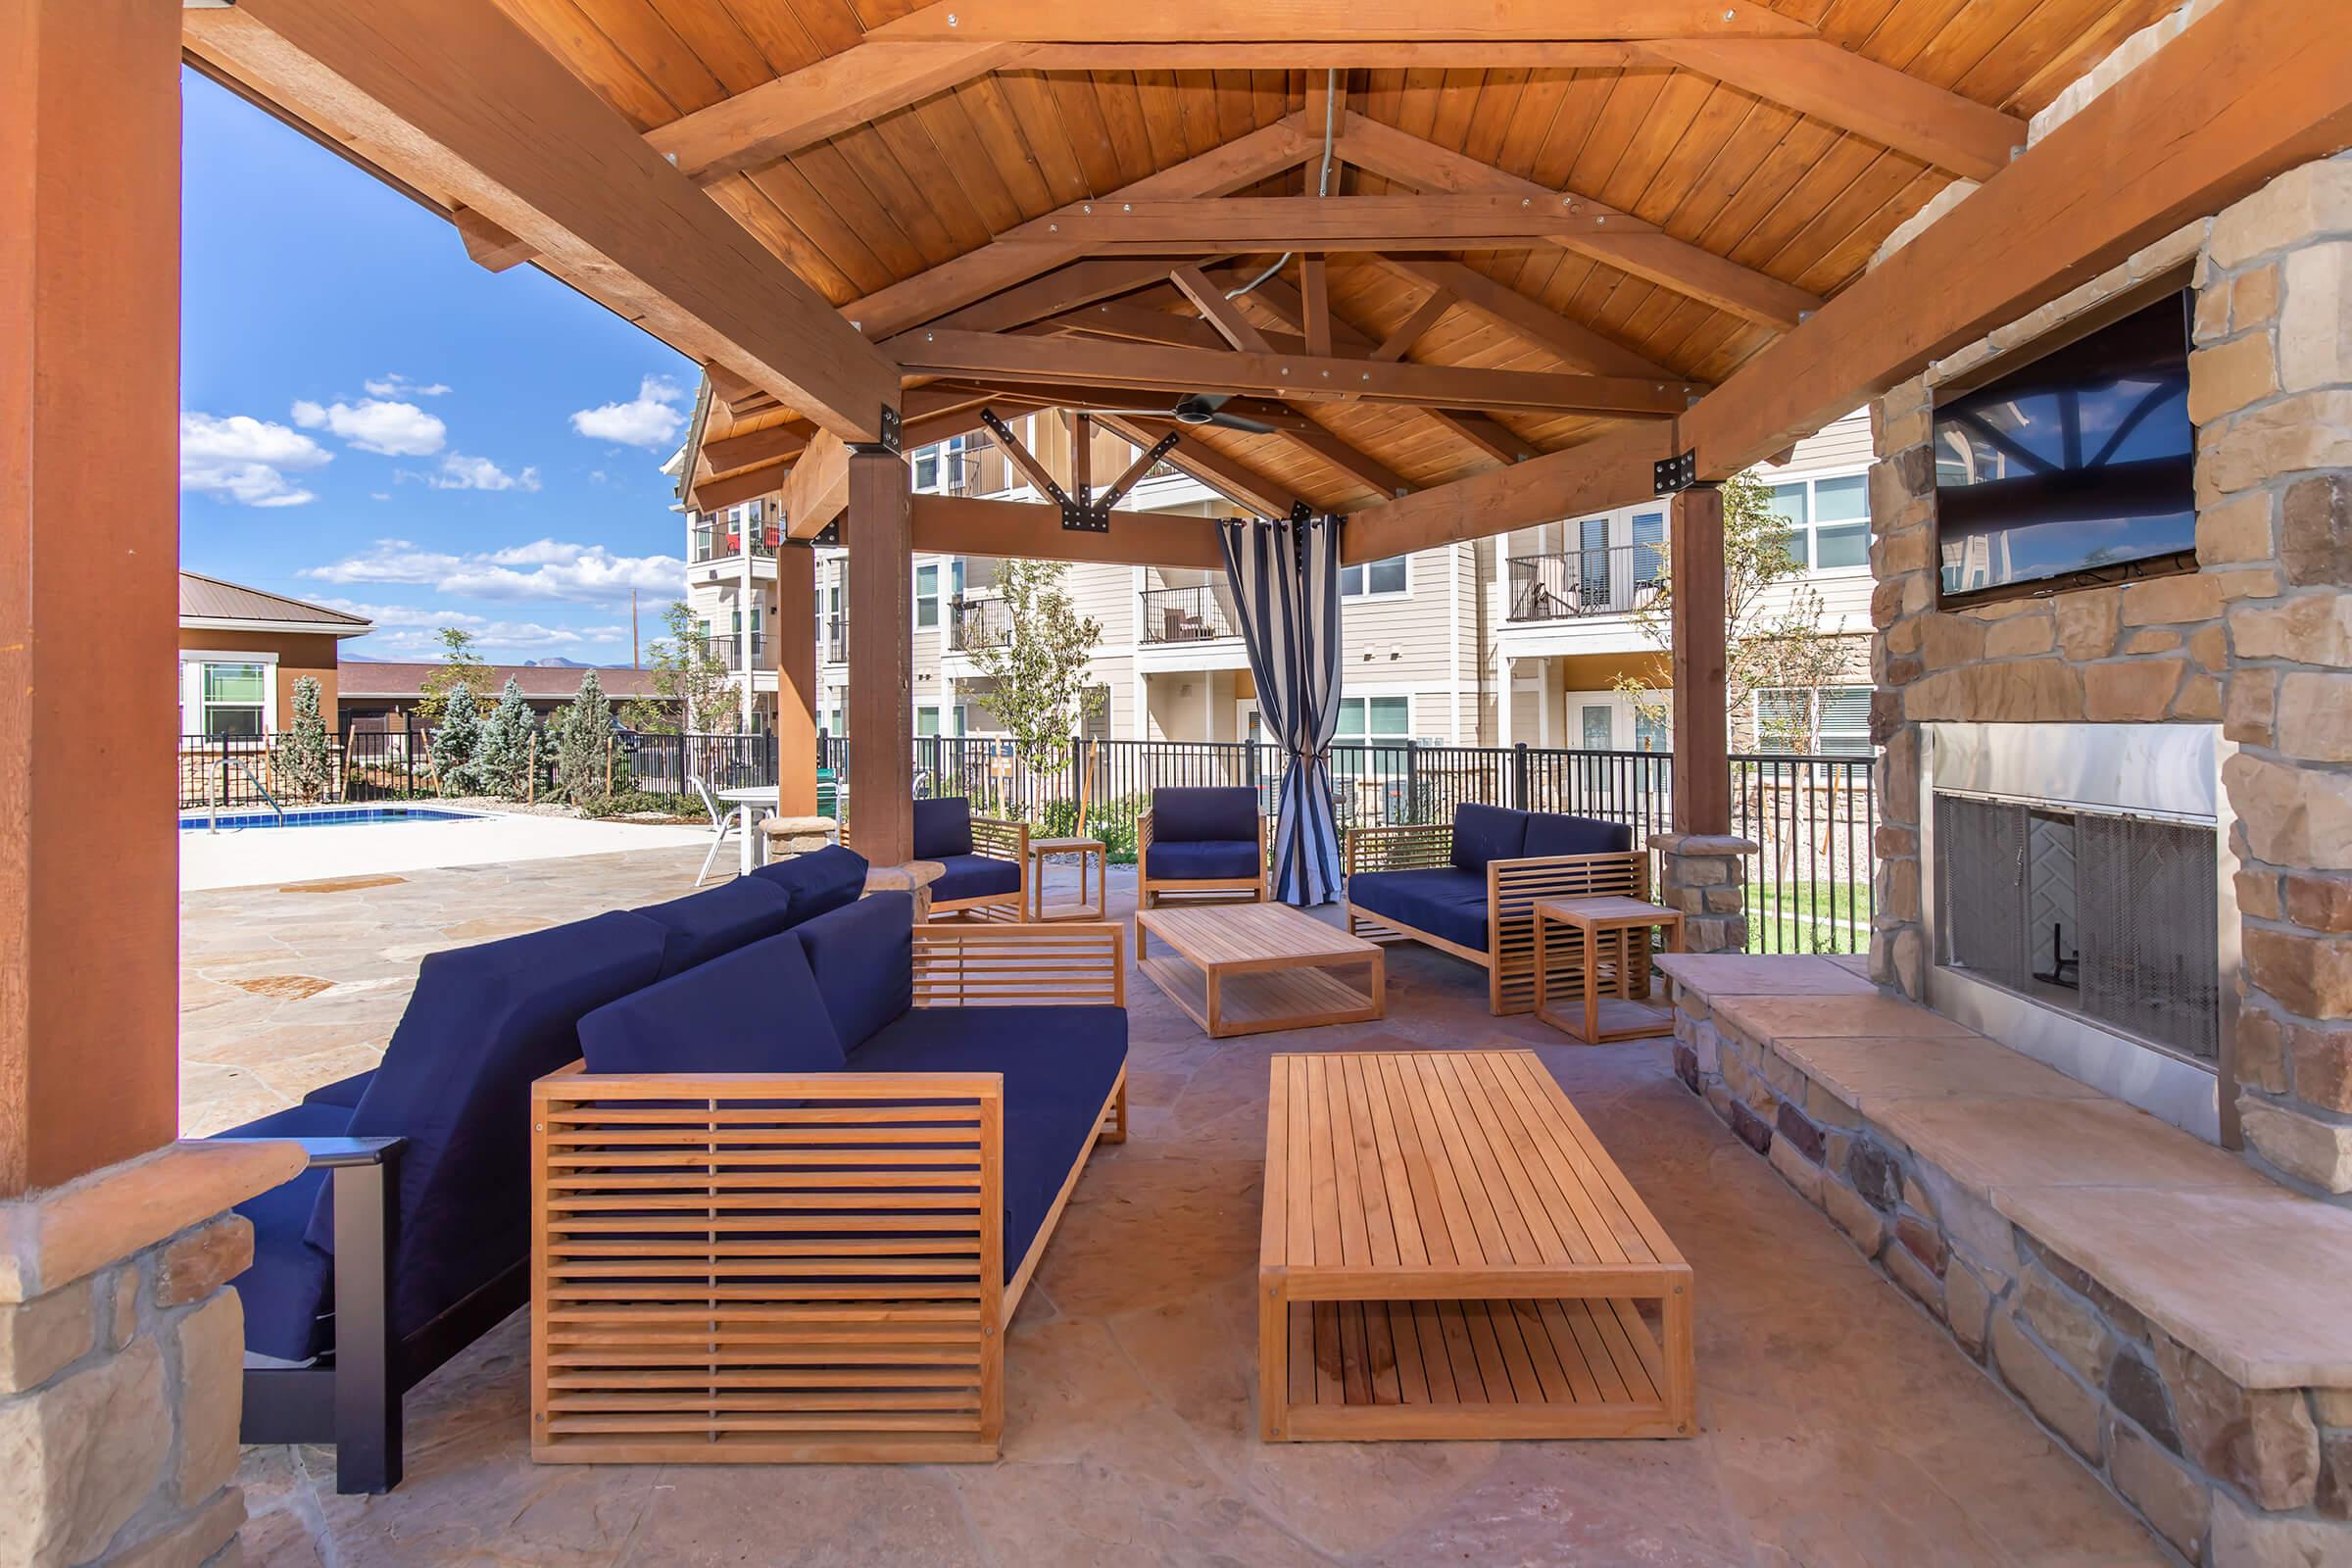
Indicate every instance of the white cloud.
{"type": "Point", "coordinates": [543, 569]}
{"type": "Point", "coordinates": [406, 629]}
{"type": "Point", "coordinates": [652, 419]}
{"type": "Point", "coordinates": [461, 472]}
{"type": "Point", "coordinates": [398, 385]}
{"type": "Point", "coordinates": [246, 459]}
{"type": "Point", "coordinates": [395, 429]}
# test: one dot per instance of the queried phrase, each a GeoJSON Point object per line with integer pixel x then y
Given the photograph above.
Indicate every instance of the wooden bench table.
{"type": "Point", "coordinates": [1249, 968]}
{"type": "Point", "coordinates": [1612, 934]}
{"type": "Point", "coordinates": [1447, 1252]}
{"type": "Point", "coordinates": [1086, 909]}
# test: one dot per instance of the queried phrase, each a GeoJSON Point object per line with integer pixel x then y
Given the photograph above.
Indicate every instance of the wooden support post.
{"type": "Point", "coordinates": [1702, 769]}
{"type": "Point", "coordinates": [795, 679]}
{"type": "Point", "coordinates": [880, 535]}
{"type": "Point", "coordinates": [1082, 457]}
{"type": "Point", "coordinates": [89, 389]}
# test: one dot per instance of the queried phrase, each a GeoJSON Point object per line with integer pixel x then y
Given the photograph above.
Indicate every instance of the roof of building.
{"type": "Point", "coordinates": [210, 601]}
{"type": "Point", "coordinates": [538, 681]}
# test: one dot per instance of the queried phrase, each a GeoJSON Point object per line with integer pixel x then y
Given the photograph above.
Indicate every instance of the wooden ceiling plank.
{"type": "Point", "coordinates": [1572, 341]}
{"type": "Point", "coordinates": [483, 113]}
{"type": "Point", "coordinates": [1373, 474]}
{"type": "Point", "coordinates": [1410, 330]}
{"type": "Point", "coordinates": [1402, 21]}
{"type": "Point", "coordinates": [1220, 313]}
{"type": "Point", "coordinates": [1615, 238]}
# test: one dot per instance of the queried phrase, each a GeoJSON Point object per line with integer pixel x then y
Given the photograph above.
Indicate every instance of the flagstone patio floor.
{"type": "Point", "coordinates": [1839, 1424]}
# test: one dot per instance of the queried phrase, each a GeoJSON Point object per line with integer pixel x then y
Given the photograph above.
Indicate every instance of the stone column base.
{"type": "Point", "coordinates": [1701, 874]}
{"type": "Point", "coordinates": [122, 1356]}
{"type": "Point", "coordinates": [789, 837]}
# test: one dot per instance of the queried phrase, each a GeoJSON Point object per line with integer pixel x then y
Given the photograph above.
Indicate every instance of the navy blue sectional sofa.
{"type": "Point", "coordinates": [409, 1235]}
{"type": "Point", "coordinates": [789, 1199]}
{"type": "Point", "coordinates": [1470, 887]}
{"type": "Point", "coordinates": [1199, 839]}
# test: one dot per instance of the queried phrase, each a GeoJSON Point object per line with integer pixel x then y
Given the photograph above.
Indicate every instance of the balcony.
{"type": "Point", "coordinates": [726, 544]}
{"type": "Point", "coordinates": [946, 473]}
{"type": "Point", "coordinates": [1199, 614]}
{"type": "Point", "coordinates": [833, 639]}
{"type": "Point", "coordinates": [728, 651]}
{"type": "Point", "coordinates": [1573, 584]}
{"type": "Point", "coordinates": [978, 623]}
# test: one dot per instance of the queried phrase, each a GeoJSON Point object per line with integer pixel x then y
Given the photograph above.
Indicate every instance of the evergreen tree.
{"type": "Point", "coordinates": [582, 734]}
{"type": "Point", "coordinates": [305, 760]}
{"type": "Point", "coordinates": [455, 741]}
{"type": "Point", "coordinates": [502, 756]}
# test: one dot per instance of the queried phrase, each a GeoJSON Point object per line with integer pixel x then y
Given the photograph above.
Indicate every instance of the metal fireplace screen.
{"type": "Point", "coordinates": [2115, 918]}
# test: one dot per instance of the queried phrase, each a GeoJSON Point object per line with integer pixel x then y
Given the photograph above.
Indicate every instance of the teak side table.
{"type": "Point", "coordinates": [1085, 908]}
{"type": "Point", "coordinates": [1608, 931]}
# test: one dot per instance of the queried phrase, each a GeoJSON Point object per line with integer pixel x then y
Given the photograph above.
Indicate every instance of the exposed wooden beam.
{"type": "Point", "coordinates": [1022, 458]}
{"type": "Point", "coordinates": [1220, 313]}
{"type": "Point", "coordinates": [1139, 324]}
{"type": "Point", "coordinates": [1491, 436]}
{"type": "Point", "coordinates": [1572, 341]}
{"type": "Point", "coordinates": [880, 533]}
{"type": "Point", "coordinates": [767, 480]}
{"type": "Point", "coordinates": [741, 397]}
{"type": "Point", "coordinates": [1336, 53]}
{"type": "Point", "coordinates": [1492, 20]}
{"type": "Point", "coordinates": [1239, 483]}
{"type": "Point", "coordinates": [779, 117]}
{"type": "Point", "coordinates": [819, 487]}
{"type": "Point", "coordinates": [1614, 237]}
{"type": "Point", "coordinates": [1291, 377]}
{"type": "Point", "coordinates": [1066, 288]}
{"type": "Point", "coordinates": [1409, 330]}
{"type": "Point", "coordinates": [1032, 530]}
{"type": "Point", "coordinates": [1314, 297]}
{"type": "Point", "coordinates": [1703, 770]}
{"type": "Point", "coordinates": [491, 247]}
{"type": "Point", "coordinates": [980, 273]}
{"type": "Point", "coordinates": [1082, 455]}
{"type": "Point", "coordinates": [2248, 92]}
{"type": "Point", "coordinates": [1413, 223]}
{"type": "Point", "coordinates": [731, 451]}
{"type": "Point", "coordinates": [476, 112]}
{"type": "Point", "coordinates": [1815, 76]}
{"type": "Point", "coordinates": [1366, 470]}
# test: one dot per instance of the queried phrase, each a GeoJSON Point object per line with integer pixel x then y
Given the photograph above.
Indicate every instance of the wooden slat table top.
{"type": "Point", "coordinates": [1239, 936]}
{"type": "Point", "coordinates": [1606, 910]}
{"type": "Point", "coordinates": [1444, 1172]}
{"type": "Point", "coordinates": [1038, 845]}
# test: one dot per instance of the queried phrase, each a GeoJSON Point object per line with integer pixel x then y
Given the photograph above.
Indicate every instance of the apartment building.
{"type": "Point", "coordinates": [1520, 638]}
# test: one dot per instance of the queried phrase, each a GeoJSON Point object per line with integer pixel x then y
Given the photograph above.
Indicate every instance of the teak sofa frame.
{"type": "Point", "coordinates": [1150, 890]}
{"type": "Point", "coordinates": [998, 840]}
{"type": "Point", "coordinates": [795, 1267]}
{"type": "Point", "coordinates": [1513, 890]}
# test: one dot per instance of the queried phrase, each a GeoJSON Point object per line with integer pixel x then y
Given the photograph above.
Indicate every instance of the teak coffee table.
{"type": "Point", "coordinates": [1251, 969]}
{"type": "Point", "coordinates": [1447, 1252]}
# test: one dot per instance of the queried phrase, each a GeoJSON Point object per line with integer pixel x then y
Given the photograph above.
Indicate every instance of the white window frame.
{"type": "Point", "coordinates": [1370, 593]}
{"type": "Point", "coordinates": [1366, 696]}
{"type": "Point", "coordinates": [192, 663]}
{"type": "Point", "coordinates": [1810, 528]}
{"type": "Point", "coordinates": [939, 619]}
{"type": "Point", "coordinates": [1861, 732]}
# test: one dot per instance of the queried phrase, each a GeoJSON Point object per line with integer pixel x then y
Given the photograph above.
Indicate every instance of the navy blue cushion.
{"type": "Point", "coordinates": [1203, 815]}
{"type": "Point", "coordinates": [702, 925]}
{"type": "Point", "coordinates": [942, 827]}
{"type": "Point", "coordinates": [756, 1009]}
{"type": "Point", "coordinates": [343, 1092]}
{"type": "Point", "coordinates": [863, 959]}
{"type": "Point", "coordinates": [1185, 862]}
{"type": "Point", "coordinates": [826, 880]}
{"type": "Point", "coordinates": [973, 876]}
{"type": "Point", "coordinates": [1483, 833]}
{"type": "Point", "coordinates": [1557, 833]}
{"type": "Point", "coordinates": [1444, 902]}
{"type": "Point", "coordinates": [456, 1082]}
{"type": "Point", "coordinates": [289, 1286]}
{"type": "Point", "coordinates": [1058, 1065]}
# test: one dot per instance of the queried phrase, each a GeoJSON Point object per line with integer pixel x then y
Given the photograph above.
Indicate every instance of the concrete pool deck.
{"type": "Point", "coordinates": [263, 857]}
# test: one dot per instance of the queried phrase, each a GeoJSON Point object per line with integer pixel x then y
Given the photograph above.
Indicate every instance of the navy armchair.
{"type": "Point", "coordinates": [985, 861]}
{"type": "Point", "coordinates": [1201, 841]}
{"type": "Point", "coordinates": [1470, 887]}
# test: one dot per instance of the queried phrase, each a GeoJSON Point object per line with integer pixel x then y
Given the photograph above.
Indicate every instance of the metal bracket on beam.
{"type": "Point", "coordinates": [888, 446]}
{"type": "Point", "coordinates": [1678, 472]}
{"type": "Point", "coordinates": [829, 536]}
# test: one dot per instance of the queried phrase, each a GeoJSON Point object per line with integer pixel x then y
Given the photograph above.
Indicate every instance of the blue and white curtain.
{"type": "Point", "coordinates": [1285, 577]}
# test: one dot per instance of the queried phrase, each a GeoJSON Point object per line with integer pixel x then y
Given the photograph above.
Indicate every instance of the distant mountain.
{"type": "Point", "coordinates": [551, 662]}
{"type": "Point", "coordinates": [367, 658]}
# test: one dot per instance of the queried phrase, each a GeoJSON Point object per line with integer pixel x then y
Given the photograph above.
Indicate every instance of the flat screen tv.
{"type": "Point", "coordinates": [2079, 466]}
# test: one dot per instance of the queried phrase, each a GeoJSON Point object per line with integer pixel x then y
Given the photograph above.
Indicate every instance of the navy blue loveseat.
{"type": "Point", "coordinates": [1202, 838]}
{"type": "Point", "coordinates": [790, 1198]}
{"type": "Point", "coordinates": [1470, 887]}
{"type": "Point", "coordinates": [409, 1235]}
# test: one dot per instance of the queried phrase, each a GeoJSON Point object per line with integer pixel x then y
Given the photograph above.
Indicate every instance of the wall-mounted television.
{"type": "Point", "coordinates": [2077, 468]}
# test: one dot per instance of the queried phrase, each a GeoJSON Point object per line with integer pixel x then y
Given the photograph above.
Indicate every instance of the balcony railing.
{"type": "Point", "coordinates": [728, 650]}
{"type": "Point", "coordinates": [833, 639]}
{"type": "Point", "coordinates": [1193, 614]}
{"type": "Point", "coordinates": [1611, 580]}
{"type": "Point", "coordinates": [978, 623]}
{"type": "Point", "coordinates": [956, 473]}
{"type": "Point", "coordinates": [726, 544]}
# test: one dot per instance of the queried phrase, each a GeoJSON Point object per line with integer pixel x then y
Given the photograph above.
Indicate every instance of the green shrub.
{"type": "Point", "coordinates": [644, 802]}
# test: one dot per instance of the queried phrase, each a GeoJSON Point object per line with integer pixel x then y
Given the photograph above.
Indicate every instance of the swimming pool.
{"type": "Point", "coordinates": [328, 816]}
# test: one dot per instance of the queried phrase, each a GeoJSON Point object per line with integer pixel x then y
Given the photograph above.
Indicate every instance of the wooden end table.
{"type": "Point", "coordinates": [1603, 924]}
{"type": "Point", "coordinates": [1251, 969]}
{"type": "Point", "coordinates": [1447, 1252]}
{"type": "Point", "coordinates": [1086, 850]}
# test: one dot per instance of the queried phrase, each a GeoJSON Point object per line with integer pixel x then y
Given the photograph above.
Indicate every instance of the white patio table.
{"type": "Point", "coordinates": [754, 796]}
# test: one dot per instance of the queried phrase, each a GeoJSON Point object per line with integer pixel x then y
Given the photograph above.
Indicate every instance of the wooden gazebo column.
{"type": "Point", "coordinates": [796, 678]}
{"type": "Point", "coordinates": [122, 1388]}
{"type": "Point", "coordinates": [1700, 864]}
{"type": "Point", "coordinates": [880, 533]}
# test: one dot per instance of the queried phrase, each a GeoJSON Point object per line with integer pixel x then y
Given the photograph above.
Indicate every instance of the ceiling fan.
{"type": "Point", "coordinates": [1195, 409]}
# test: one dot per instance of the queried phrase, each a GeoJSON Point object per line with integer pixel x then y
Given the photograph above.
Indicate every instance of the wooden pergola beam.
{"type": "Point", "coordinates": [1572, 341]}
{"type": "Point", "coordinates": [1223, 316]}
{"type": "Point", "coordinates": [2247, 92]}
{"type": "Point", "coordinates": [1032, 530]}
{"type": "Point", "coordinates": [475, 108]}
{"type": "Point", "coordinates": [1291, 377]}
{"type": "Point", "coordinates": [1612, 235]}
{"type": "Point", "coordinates": [1312, 21]}
{"type": "Point", "coordinates": [1238, 482]}
{"type": "Point", "coordinates": [1427, 221]}
{"type": "Point", "coordinates": [1366, 469]}
{"type": "Point", "coordinates": [819, 487]}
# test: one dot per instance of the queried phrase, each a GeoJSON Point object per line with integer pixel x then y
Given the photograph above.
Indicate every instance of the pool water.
{"type": "Point", "coordinates": [328, 816]}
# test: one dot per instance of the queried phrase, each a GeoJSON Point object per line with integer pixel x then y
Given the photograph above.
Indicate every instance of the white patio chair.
{"type": "Point", "coordinates": [722, 822]}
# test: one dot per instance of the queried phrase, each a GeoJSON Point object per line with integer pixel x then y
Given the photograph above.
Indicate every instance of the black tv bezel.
{"type": "Point", "coordinates": [2166, 564]}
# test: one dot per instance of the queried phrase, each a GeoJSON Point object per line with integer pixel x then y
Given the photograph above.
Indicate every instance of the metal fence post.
{"type": "Point", "coordinates": [1519, 776]}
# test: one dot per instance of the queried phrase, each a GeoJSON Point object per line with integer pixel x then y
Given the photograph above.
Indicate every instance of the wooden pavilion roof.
{"type": "Point", "coordinates": [1550, 223]}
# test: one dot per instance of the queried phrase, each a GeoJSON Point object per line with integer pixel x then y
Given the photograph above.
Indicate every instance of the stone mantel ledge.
{"type": "Point", "coordinates": [2245, 1272]}
{"type": "Point", "coordinates": [1723, 844]}
{"type": "Point", "coordinates": [52, 1238]}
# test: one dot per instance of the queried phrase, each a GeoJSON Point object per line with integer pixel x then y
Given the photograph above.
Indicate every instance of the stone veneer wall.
{"type": "Point", "coordinates": [2258, 638]}
{"type": "Point", "coordinates": [2229, 1476]}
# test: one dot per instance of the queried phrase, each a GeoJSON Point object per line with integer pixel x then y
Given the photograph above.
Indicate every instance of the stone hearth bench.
{"type": "Point", "coordinates": [2180, 1322]}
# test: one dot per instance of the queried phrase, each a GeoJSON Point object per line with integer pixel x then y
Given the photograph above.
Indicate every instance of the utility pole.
{"type": "Point", "coordinates": [633, 654]}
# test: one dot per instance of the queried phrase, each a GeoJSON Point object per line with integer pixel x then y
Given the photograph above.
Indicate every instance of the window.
{"type": "Point", "coordinates": [1377, 720]}
{"type": "Point", "coordinates": [926, 721]}
{"type": "Point", "coordinates": [1651, 734]}
{"type": "Point", "coordinates": [1373, 577]}
{"type": "Point", "coordinates": [1829, 721]}
{"type": "Point", "coordinates": [926, 597]}
{"type": "Point", "coordinates": [235, 699]}
{"type": "Point", "coordinates": [1829, 522]}
{"type": "Point", "coordinates": [1598, 727]}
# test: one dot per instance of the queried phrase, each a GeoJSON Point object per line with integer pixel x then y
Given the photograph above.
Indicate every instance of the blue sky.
{"type": "Point", "coordinates": [370, 421]}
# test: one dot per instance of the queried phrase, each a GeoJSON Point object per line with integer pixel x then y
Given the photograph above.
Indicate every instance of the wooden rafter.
{"type": "Point", "coordinates": [1413, 222]}
{"type": "Point", "coordinates": [1409, 330]}
{"type": "Point", "coordinates": [1366, 470]}
{"type": "Point", "coordinates": [1572, 341]}
{"type": "Point", "coordinates": [476, 112]}
{"type": "Point", "coordinates": [1236, 481]}
{"type": "Point", "coordinates": [1224, 316]}
{"type": "Point", "coordinates": [1314, 297]}
{"type": "Point", "coordinates": [1305, 21]}
{"type": "Point", "coordinates": [1018, 452]}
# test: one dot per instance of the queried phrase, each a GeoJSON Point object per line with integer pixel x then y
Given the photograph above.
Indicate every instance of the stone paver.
{"type": "Point", "coordinates": [1849, 1436]}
